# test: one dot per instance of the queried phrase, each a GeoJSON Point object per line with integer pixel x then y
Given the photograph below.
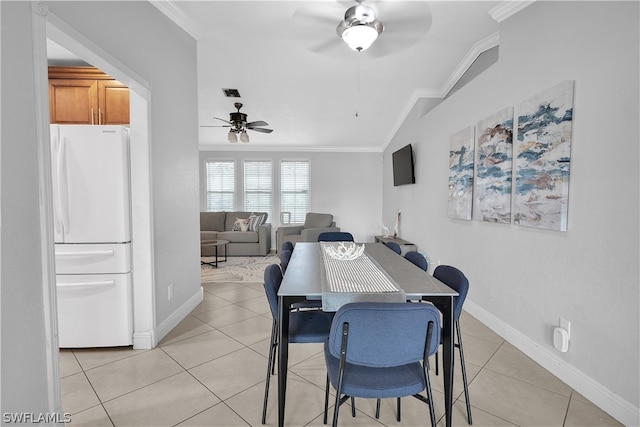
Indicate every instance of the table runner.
{"type": "Point", "coordinates": [356, 280]}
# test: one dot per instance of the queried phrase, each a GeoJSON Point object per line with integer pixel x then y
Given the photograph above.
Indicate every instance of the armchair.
{"type": "Point", "coordinates": [314, 224]}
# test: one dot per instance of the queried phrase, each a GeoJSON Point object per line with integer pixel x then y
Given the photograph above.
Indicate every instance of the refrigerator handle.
{"type": "Point", "coordinates": [63, 200]}
{"type": "Point", "coordinates": [55, 149]}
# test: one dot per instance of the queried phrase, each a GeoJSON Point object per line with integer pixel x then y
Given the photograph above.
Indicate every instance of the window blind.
{"type": "Point", "coordinates": [294, 187]}
{"type": "Point", "coordinates": [221, 185]}
{"type": "Point", "coordinates": [258, 187]}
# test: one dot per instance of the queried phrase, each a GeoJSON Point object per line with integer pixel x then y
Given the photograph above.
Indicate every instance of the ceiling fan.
{"type": "Point", "coordinates": [362, 27]}
{"type": "Point", "coordinates": [239, 125]}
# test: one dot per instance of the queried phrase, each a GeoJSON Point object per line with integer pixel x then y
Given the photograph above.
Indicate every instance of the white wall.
{"type": "Point", "coordinates": [346, 185]}
{"type": "Point", "coordinates": [146, 41]}
{"type": "Point", "coordinates": [524, 279]}
{"type": "Point", "coordinates": [24, 371]}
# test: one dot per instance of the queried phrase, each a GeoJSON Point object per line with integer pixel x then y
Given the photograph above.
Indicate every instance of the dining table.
{"type": "Point", "coordinates": [306, 279]}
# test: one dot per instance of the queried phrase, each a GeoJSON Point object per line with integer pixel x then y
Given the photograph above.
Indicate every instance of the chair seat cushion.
{"type": "Point", "coordinates": [367, 382]}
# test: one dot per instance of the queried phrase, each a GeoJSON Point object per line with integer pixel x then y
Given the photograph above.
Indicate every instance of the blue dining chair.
{"type": "Point", "coordinates": [305, 326]}
{"type": "Point", "coordinates": [381, 350]}
{"type": "Point", "coordinates": [457, 281]}
{"type": "Point", "coordinates": [394, 247]}
{"type": "Point", "coordinates": [335, 236]}
{"type": "Point", "coordinates": [287, 246]}
{"type": "Point", "coordinates": [418, 259]}
{"type": "Point", "coordinates": [285, 256]}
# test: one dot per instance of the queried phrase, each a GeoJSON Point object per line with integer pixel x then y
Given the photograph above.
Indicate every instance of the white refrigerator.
{"type": "Point", "coordinates": [92, 217]}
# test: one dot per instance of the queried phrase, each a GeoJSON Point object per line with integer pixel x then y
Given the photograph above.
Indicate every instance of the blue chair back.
{"type": "Point", "coordinates": [272, 282]}
{"type": "Point", "coordinates": [285, 256]}
{"type": "Point", "coordinates": [335, 236]}
{"type": "Point", "coordinates": [385, 334]}
{"type": "Point", "coordinates": [394, 247]}
{"type": "Point", "coordinates": [457, 281]}
{"type": "Point", "coordinates": [418, 259]}
{"type": "Point", "coordinates": [287, 246]}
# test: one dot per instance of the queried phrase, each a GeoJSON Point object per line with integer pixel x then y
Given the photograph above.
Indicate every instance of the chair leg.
{"type": "Point", "coordinates": [270, 367]}
{"type": "Point", "coordinates": [398, 416]}
{"type": "Point", "coordinates": [326, 400]}
{"type": "Point", "coordinates": [377, 409]}
{"type": "Point", "coordinates": [436, 363]}
{"type": "Point", "coordinates": [464, 372]}
{"type": "Point", "coordinates": [353, 406]}
{"type": "Point", "coordinates": [432, 411]}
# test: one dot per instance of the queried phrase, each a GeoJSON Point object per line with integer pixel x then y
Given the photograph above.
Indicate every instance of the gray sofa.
{"type": "Point", "coordinates": [219, 226]}
{"type": "Point", "coordinates": [314, 224]}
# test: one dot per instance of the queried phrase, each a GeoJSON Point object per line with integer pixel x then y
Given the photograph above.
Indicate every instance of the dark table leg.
{"type": "Point", "coordinates": [283, 354]}
{"type": "Point", "coordinates": [445, 305]}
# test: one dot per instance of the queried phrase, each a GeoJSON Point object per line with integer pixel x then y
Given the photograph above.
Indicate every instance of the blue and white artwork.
{"type": "Point", "coordinates": [461, 155]}
{"type": "Point", "coordinates": [543, 155]}
{"type": "Point", "coordinates": [494, 160]}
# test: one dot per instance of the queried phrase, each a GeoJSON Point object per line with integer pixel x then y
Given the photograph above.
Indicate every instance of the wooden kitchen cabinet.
{"type": "Point", "coordinates": [86, 95]}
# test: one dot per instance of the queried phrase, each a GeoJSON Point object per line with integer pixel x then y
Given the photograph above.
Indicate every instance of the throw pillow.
{"type": "Point", "coordinates": [253, 222]}
{"type": "Point", "coordinates": [241, 224]}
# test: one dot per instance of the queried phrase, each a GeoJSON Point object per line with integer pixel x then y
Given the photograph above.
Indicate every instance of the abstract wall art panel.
{"type": "Point", "coordinates": [542, 158]}
{"type": "Point", "coordinates": [494, 159]}
{"type": "Point", "coordinates": [461, 157]}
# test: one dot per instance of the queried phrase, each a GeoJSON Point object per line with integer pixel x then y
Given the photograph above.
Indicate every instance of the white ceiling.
{"type": "Point", "coordinates": [295, 73]}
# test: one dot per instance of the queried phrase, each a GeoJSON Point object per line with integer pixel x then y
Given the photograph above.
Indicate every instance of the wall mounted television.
{"type": "Point", "coordinates": [403, 172]}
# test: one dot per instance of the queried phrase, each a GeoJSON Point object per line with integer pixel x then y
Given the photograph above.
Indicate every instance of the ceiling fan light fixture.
{"type": "Point", "coordinates": [244, 137]}
{"type": "Point", "coordinates": [233, 137]}
{"type": "Point", "coordinates": [360, 37]}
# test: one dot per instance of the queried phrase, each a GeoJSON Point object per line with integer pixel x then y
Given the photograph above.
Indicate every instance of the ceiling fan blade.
{"type": "Point", "coordinates": [263, 130]}
{"type": "Point", "coordinates": [222, 120]}
{"type": "Point", "coordinates": [257, 123]}
{"type": "Point", "coordinates": [215, 126]}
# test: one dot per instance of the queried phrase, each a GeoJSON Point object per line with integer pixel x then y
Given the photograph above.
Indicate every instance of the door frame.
{"type": "Point", "coordinates": [45, 25]}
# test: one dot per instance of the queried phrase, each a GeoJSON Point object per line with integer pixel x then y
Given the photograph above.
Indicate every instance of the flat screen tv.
{"type": "Point", "coordinates": [403, 166]}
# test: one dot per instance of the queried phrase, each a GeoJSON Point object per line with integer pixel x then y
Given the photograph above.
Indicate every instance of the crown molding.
{"type": "Point", "coordinates": [508, 8]}
{"type": "Point", "coordinates": [172, 11]}
{"type": "Point", "coordinates": [483, 45]}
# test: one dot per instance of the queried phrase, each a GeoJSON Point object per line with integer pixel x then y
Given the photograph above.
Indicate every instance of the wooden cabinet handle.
{"type": "Point", "coordinates": [92, 121]}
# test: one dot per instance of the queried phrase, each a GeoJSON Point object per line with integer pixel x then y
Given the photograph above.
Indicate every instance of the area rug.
{"type": "Point", "coordinates": [236, 269]}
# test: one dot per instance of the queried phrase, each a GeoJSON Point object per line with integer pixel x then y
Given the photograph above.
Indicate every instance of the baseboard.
{"type": "Point", "coordinates": [143, 340]}
{"type": "Point", "coordinates": [177, 316]}
{"type": "Point", "coordinates": [620, 409]}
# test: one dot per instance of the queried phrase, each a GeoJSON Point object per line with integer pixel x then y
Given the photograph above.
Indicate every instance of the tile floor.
{"type": "Point", "coordinates": [210, 371]}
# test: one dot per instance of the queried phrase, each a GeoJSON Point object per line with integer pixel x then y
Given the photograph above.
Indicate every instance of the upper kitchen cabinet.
{"type": "Point", "coordinates": [86, 95]}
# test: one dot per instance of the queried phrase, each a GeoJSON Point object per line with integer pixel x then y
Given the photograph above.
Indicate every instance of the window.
{"type": "Point", "coordinates": [294, 186]}
{"type": "Point", "coordinates": [221, 185]}
{"type": "Point", "coordinates": [258, 195]}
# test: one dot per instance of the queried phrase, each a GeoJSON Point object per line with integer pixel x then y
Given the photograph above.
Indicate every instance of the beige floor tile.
{"type": "Point", "coordinates": [241, 293]}
{"type": "Point", "coordinates": [249, 331]}
{"type": "Point", "coordinates": [232, 373]}
{"type": "Point", "coordinates": [312, 369]}
{"type": "Point", "coordinates": [516, 401]}
{"type": "Point", "coordinates": [126, 375]}
{"type": "Point", "coordinates": [218, 287]}
{"type": "Point", "coordinates": [95, 417]}
{"type": "Point", "coordinates": [202, 348]}
{"type": "Point", "coordinates": [219, 415]}
{"type": "Point", "coordinates": [469, 325]}
{"type": "Point", "coordinates": [77, 393]}
{"type": "Point", "coordinates": [210, 302]}
{"type": "Point", "coordinates": [304, 402]}
{"type": "Point", "coordinates": [480, 418]}
{"type": "Point", "coordinates": [581, 414]}
{"type": "Point", "coordinates": [437, 381]}
{"type": "Point", "coordinates": [224, 316]}
{"type": "Point", "coordinates": [189, 327]}
{"type": "Point", "coordinates": [68, 363]}
{"type": "Point", "coordinates": [478, 351]}
{"type": "Point", "coordinates": [164, 403]}
{"type": "Point", "coordinates": [90, 358]}
{"type": "Point", "coordinates": [510, 361]}
{"type": "Point", "coordinates": [260, 305]}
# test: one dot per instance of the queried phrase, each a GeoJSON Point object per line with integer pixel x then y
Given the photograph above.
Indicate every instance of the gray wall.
{"type": "Point", "coordinates": [346, 185]}
{"type": "Point", "coordinates": [165, 56]}
{"type": "Point", "coordinates": [24, 372]}
{"type": "Point", "coordinates": [524, 279]}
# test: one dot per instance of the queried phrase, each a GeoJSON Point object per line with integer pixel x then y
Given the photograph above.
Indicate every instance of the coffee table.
{"type": "Point", "coordinates": [216, 244]}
